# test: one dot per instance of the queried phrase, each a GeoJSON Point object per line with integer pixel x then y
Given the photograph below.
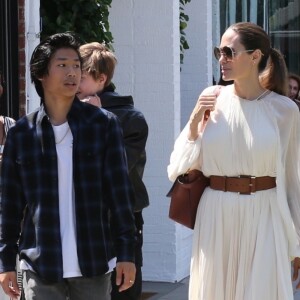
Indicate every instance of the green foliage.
{"type": "Point", "coordinates": [87, 18]}
{"type": "Point", "coordinates": [183, 18]}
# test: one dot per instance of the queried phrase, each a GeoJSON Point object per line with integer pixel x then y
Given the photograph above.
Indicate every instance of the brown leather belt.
{"type": "Point", "coordinates": [242, 184]}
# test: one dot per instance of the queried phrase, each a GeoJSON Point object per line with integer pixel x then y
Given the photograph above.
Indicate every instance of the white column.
{"type": "Point", "coordinates": [202, 35]}
{"type": "Point", "coordinates": [146, 35]}
{"type": "Point", "coordinates": [32, 38]}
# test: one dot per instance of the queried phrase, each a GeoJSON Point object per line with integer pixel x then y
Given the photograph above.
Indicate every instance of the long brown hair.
{"type": "Point", "coordinates": [272, 67]}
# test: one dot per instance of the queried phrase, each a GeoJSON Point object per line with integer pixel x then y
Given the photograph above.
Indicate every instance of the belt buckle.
{"type": "Point", "coordinates": [251, 184]}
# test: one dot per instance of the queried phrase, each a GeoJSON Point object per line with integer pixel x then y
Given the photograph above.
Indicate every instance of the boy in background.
{"type": "Point", "coordinates": [96, 88]}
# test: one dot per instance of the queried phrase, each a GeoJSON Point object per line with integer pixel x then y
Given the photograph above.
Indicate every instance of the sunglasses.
{"type": "Point", "coordinates": [227, 52]}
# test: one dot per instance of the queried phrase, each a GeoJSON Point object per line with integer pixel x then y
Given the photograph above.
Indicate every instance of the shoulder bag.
{"type": "Point", "coordinates": [185, 197]}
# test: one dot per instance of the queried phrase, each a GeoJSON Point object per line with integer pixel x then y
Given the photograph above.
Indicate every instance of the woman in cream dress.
{"type": "Point", "coordinates": [243, 244]}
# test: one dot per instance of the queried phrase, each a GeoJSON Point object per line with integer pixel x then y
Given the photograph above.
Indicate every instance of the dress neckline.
{"type": "Point", "coordinates": [259, 98]}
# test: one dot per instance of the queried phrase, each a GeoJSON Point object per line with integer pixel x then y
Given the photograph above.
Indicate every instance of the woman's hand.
{"type": "Point", "coordinates": [205, 103]}
{"type": "Point", "coordinates": [296, 266]}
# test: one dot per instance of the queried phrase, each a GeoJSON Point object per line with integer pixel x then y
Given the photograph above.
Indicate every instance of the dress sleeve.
{"type": "Point", "coordinates": [292, 170]}
{"type": "Point", "coordinates": [185, 155]}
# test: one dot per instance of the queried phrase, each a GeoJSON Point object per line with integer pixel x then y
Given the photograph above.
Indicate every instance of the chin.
{"type": "Point", "coordinates": [226, 78]}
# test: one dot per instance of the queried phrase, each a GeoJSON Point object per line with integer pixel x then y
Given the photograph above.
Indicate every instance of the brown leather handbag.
{"type": "Point", "coordinates": [188, 188]}
{"type": "Point", "coordinates": [185, 197]}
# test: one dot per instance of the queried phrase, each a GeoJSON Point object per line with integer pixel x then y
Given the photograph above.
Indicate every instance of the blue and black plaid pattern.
{"type": "Point", "coordinates": [30, 200]}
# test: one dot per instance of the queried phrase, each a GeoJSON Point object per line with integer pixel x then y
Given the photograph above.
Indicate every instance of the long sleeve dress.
{"type": "Point", "coordinates": [243, 244]}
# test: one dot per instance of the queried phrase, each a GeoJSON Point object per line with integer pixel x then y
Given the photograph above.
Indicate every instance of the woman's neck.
{"type": "Point", "coordinates": [249, 91]}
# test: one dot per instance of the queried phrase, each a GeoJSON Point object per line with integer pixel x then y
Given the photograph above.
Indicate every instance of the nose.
{"type": "Point", "coordinates": [223, 58]}
{"type": "Point", "coordinates": [71, 72]}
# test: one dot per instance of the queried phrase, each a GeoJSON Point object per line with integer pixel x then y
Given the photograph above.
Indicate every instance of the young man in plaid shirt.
{"type": "Point", "coordinates": [65, 180]}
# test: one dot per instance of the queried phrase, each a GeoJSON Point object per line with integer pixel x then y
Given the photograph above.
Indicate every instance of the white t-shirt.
{"type": "Point", "coordinates": [64, 149]}
{"type": "Point", "coordinates": [64, 145]}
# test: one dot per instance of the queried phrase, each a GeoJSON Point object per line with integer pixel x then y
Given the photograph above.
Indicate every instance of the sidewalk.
{"type": "Point", "coordinates": [166, 290]}
{"type": "Point", "coordinates": [175, 291]}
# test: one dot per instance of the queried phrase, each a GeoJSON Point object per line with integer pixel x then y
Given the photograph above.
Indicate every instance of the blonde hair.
{"type": "Point", "coordinates": [98, 59]}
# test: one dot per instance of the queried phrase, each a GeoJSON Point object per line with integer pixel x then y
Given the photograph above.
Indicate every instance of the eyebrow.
{"type": "Point", "coordinates": [64, 59]}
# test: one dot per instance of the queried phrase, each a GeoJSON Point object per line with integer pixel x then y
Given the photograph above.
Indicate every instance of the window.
{"type": "Point", "coordinates": [9, 57]}
{"type": "Point", "coordinates": [280, 18]}
{"type": "Point", "coordinates": [233, 11]}
{"type": "Point", "coordinates": [284, 30]}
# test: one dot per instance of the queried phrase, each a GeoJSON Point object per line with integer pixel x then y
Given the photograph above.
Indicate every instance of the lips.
{"type": "Point", "coordinates": [224, 70]}
{"type": "Point", "coordinates": [71, 83]}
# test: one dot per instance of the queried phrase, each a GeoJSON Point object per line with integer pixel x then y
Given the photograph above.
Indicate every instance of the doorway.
{"type": "Point", "coordinates": [9, 60]}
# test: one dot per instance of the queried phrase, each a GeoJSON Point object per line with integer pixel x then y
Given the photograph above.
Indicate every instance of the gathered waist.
{"type": "Point", "coordinates": [242, 184]}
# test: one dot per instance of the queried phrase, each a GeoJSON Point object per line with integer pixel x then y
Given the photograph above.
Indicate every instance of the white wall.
{"type": "Point", "coordinates": [32, 39]}
{"type": "Point", "coordinates": [196, 71]}
{"type": "Point", "coordinates": [146, 42]}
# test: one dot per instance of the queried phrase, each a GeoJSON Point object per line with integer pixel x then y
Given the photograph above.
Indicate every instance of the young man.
{"type": "Point", "coordinates": [98, 68]}
{"type": "Point", "coordinates": [65, 181]}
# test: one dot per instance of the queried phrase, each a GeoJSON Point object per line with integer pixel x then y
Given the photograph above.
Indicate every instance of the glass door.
{"type": "Point", "coordinates": [284, 30]}
{"type": "Point", "coordinates": [9, 59]}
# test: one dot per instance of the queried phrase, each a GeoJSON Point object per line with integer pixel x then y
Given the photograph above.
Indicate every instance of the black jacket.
{"type": "Point", "coordinates": [135, 132]}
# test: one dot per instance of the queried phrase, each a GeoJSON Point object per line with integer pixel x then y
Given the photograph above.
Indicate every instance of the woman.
{"type": "Point", "coordinates": [294, 88]}
{"type": "Point", "coordinates": [248, 221]}
{"type": "Point", "coordinates": [5, 123]}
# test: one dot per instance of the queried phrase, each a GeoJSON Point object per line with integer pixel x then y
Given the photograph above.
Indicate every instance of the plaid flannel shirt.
{"type": "Point", "coordinates": [29, 215]}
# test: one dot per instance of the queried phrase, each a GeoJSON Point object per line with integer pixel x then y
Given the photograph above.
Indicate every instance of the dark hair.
{"type": "Point", "coordinates": [272, 67]}
{"type": "Point", "coordinates": [2, 80]}
{"type": "Point", "coordinates": [2, 83]}
{"type": "Point", "coordinates": [296, 78]}
{"type": "Point", "coordinates": [43, 53]}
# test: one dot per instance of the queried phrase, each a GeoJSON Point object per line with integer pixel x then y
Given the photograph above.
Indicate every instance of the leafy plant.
{"type": "Point", "coordinates": [88, 18]}
{"type": "Point", "coordinates": [183, 18]}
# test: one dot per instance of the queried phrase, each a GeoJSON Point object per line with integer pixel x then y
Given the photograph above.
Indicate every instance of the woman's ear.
{"type": "Point", "coordinates": [257, 54]}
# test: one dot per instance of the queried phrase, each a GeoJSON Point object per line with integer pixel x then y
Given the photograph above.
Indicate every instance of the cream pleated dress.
{"type": "Point", "coordinates": [243, 244]}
